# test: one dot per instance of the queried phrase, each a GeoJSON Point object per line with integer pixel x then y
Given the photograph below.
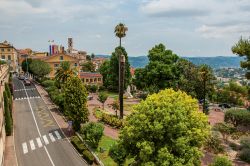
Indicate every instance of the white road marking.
{"type": "Point", "coordinates": [37, 126]}
{"type": "Point", "coordinates": [25, 148]}
{"type": "Point", "coordinates": [52, 137]}
{"type": "Point", "coordinates": [39, 142]}
{"type": "Point", "coordinates": [45, 140]}
{"type": "Point", "coordinates": [32, 145]}
{"type": "Point", "coordinates": [58, 135]}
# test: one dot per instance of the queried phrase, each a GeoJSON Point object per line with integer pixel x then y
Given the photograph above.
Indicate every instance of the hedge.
{"type": "Point", "coordinates": [88, 156]}
{"type": "Point", "coordinates": [82, 149]}
{"type": "Point", "coordinates": [8, 119]}
{"type": "Point", "coordinates": [237, 117]}
{"type": "Point", "coordinates": [245, 155]}
{"type": "Point", "coordinates": [111, 120]}
{"type": "Point", "coordinates": [48, 83]}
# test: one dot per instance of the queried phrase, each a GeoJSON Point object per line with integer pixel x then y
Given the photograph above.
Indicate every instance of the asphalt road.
{"type": "Point", "coordinates": [38, 139]}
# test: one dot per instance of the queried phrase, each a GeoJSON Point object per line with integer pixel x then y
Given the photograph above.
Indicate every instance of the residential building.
{"type": "Point", "coordinates": [55, 60]}
{"type": "Point", "coordinates": [3, 79]}
{"type": "Point", "coordinates": [91, 78]}
{"type": "Point", "coordinates": [98, 62]}
{"type": "Point", "coordinates": [8, 53]}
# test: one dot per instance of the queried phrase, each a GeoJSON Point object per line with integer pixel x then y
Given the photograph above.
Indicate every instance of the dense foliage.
{"type": "Point", "coordinates": [26, 65]}
{"type": "Point", "coordinates": [109, 119]}
{"type": "Point", "coordinates": [7, 114]}
{"type": "Point", "coordinates": [75, 102]}
{"type": "Point", "coordinates": [64, 72]}
{"type": "Point", "coordinates": [165, 129]}
{"type": "Point", "coordinates": [102, 97]}
{"type": "Point", "coordinates": [92, 133]}
{"type": "Point", "coordinates": [118, 154]}
{"type": "Point", "coordinates": [221, 161]}
{"type": "Point", "coordinates": [110, 70]}
{"type": "Point", "coordinates": [39, 68]}
{"type": "Point", "coordinates": [237, 117]}
{"type": "Point", "coordinates": [88, 66]}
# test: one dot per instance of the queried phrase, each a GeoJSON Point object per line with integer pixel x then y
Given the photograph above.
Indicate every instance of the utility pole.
{"type": "Point", "coordinates": [121, 82]}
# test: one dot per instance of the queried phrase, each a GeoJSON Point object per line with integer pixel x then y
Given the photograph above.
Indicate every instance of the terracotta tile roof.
{"type": "Point", "coordinates": [89, 74]}
{"type": "Point", "coordinates": [132, 71]}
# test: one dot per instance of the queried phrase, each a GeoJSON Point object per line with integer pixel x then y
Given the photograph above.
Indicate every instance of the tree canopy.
{"type": "Point", "coordinates": [64, 72]}
{"type": "Point", "coordinates": [75, 102]}
{"type": "Point", "coordinates": [39, 68]}
{"type": "Point", "coordinates": [165, 129]}
{"type": "Point", "coordinates": [88, 66]}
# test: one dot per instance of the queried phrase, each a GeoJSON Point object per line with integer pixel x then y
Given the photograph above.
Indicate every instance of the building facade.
{"type": "Point", "coordinates": [89, 78]}
{"type": "Point", "coordinates": [98, 62]}
{"type": "Point", "coordinates": [3, 79]}
{"type": "Point", "coordinates": [8, 53]}
{"type": "Point", "coordinates": [55, 60]}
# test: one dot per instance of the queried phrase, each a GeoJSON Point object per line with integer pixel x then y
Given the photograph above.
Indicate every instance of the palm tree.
{"type": "Point", "coordinates": [64, 72]}
{"type": "Point", "coordinates": [120, 31]}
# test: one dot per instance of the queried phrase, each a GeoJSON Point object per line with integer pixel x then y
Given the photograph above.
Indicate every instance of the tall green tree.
{"type": "Point", "coordinates": [75, 102]}
{"type": "Point", "coordinates": [120, 32]}
{"type": "Point", "coordinates": [40, 68]}
{"type": "Point", "coordinates": [242, 48]}
{"type": "Point", "coordinates": [64, 72]}
{"type": "Point", "coordinates": [88, 66]}
{"type": "Point", "coordinates": [7, 114]}
{"type": "Point", "coordinates": [102, 97]}
{"type": "Point", "coordinates": [26, 65]}
{"type": "Point", "coordinates": [165, 129]}
{"type": "Point", "coordinates": [161, 71]}
{"type": "Point", "coordinates": [106, 73]}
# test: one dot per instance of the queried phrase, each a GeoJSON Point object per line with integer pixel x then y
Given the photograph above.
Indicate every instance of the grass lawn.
{"type": "Point", "coordinates": [106, 143]}
{"type": "Point", "coordinates": [111, 94]}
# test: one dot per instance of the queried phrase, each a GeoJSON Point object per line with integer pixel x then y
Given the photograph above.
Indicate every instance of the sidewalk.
{"type": "Point", "coordinates": [9, 154]}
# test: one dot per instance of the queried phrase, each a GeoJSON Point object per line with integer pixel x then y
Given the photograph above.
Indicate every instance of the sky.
{"type": "Point", "coordinates": [188, 27]}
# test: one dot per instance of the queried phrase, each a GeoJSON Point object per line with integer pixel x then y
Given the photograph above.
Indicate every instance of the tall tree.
{"type": "Point", "coordinates": [102, 97]}
{"type": "Point", "coordinates": [120, 32]}
{"type": "Point", "coordinates": [26, 65]}
{"type": "Point", "coordinates": [165, 129]}
{"type": "Point", "coordinates": [88, 66]}
{"type": "Point", "coordinates": [242, 48]}
{"type": "Point", "coordinates": [40, 68]}
{"type": "Point", "coordinates": [75, 102]}
{"type": "Point", "coordinates": [110, 70]}
{"type": "Point", "coordinates": [64, 72]}
{"type": "Point", "coordinates": [161, 71]}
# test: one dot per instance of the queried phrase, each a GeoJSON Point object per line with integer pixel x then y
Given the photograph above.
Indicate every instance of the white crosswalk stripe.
{"type": "Point", "coordinates": [45, 140]}
{"type": "Point", "coordinates": [25, 148]}
{"type": "Point", "coordinates": [58, 135]}
{"type": "Point", "coordinates": [32, 145]}
{"type": "Point", "coordinates": [52, 137]}
{"type": "Point", "coordinates": [39, 142]}
{"type": "Point", "coordinates": [32, 97]}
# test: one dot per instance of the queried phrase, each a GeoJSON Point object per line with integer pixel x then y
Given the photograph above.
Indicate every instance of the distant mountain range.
{"type": "Point", "coordinates": [214, 62]}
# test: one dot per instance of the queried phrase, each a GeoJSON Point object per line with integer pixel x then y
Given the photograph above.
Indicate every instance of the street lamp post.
{"type": "Point", "coordinates": [121, 82]}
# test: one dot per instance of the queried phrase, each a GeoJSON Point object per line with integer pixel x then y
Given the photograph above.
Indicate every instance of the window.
{"type": "Point", "coordinates": [2, 49]}
{"type": "Point", "coordinates": [87, 80]}
{"type": "Point", "coordinates": [99, 79]}
{"type": "Point", "coordinates": [8, 49]}
{"type": "Point", "coordinates": [75, 64]}
{"type": "Point", "coordinates": [61, 58]}
{"type": "Point", "coordinates": [56, 65]}
{"type": "Point", "coordinates": [91, 80]}
{"type": "Point", "coordinates": [9, 57]}
{"type": "Point", "coordinates": [95, 79]}
{"type": "Point", "coordinates": [3, 56]}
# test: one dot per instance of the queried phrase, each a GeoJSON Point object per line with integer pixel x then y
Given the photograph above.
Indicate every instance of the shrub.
{"type": "Point", "coordinates": [225, 129]}
{"type": "Point", "coordinates": [245, 143]}
{"type": "Point", "coordinates": [245, 155]}
{"type": "Point", "coordinates": [101, 88]}
{"type": "Point", "coordinates": [112, 120]}
{"type": "Point", "coordinates": [213, 144]}
{"type": "Point", "coordinates": [221, 161]}
{"type": "Point", "coordinates": [80, 147]}
{"type": "Point", "coordinates": [48, 83]}
{"type": "Point", "coordinates": [234, 146]}
{"type": "Point", "coordinates": [92, 88]}
{"type": "Point", "coordinates": [51, 88]}
{"type": "Point", "coordinates": [237, 117]}
{"type": "Point", "coordinates": [88, 157]}
{"type": "Point", "coordinates": [92, 132]}
{"type": "Point", "coordinates": [118, 154]}
{"type": "Point", "coordinates": [98, 113]}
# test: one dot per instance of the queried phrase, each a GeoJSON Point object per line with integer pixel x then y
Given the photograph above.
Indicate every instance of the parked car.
{"type": "Point", "coordinates": [90, 97]}
{"type": "Point", "coordinates": [27, 82]}
{"type": "Point", "coordinates": [224, 105]}
{"type": "Point", "coordinates": [21, 77]}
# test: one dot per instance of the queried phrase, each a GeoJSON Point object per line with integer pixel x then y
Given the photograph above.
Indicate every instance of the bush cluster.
{"type": "Point", "coordinates": [54, 93]}
{"type": "Point", "coordinates": [237, 117]}
{"type": "Point", "coordinates": [91, 88]}
{"type": "Point", "coordinates": [111, 120]}
{"type": "Point", "coordinates": [214, 144]}
{"type": "Point", "coordinates": [221, 161]}
{"type": "Point", "coordinates": [8, 110]}
{"type": "Point", "coordinates": [244, 154]}
{"type": "Point", "coordinates": [82, 149]}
